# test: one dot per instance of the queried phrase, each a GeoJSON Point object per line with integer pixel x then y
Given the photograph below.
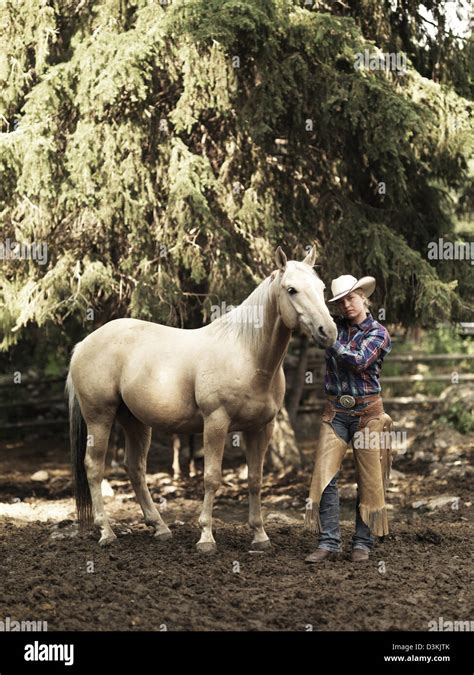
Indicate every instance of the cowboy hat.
{"type": "Point", "coordinates": [346, 284]}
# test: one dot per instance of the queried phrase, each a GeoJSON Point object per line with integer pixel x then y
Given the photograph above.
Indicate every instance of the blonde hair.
{"type": "Point", "coordinates": [366, 300]}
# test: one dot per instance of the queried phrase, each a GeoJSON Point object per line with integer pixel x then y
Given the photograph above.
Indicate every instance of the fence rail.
{"type": "Point", "coordinates": [7, 381]}
{"type": "Point", "coordinates": [317, 358]}
{"type": "Point", "coordinates": [463, 377]}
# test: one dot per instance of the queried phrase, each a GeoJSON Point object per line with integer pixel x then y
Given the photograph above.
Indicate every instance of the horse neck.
{"type": "Point", "coordinates": [276, 337]}
{"type": "Point", "coordinates": [268, 341]}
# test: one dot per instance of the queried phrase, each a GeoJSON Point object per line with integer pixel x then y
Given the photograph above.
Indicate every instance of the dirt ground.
{"type": "Point", "coordinates": [51, 572]}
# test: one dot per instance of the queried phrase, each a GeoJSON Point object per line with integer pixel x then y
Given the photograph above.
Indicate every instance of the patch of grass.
{"type": "Point", "coordinates": [459, 418]}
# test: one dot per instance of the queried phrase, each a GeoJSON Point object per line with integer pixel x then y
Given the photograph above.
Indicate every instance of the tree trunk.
{"type": "Point", "coordinates": [297, 384]}
{"type": "Point", "coordinates": [283, 451]}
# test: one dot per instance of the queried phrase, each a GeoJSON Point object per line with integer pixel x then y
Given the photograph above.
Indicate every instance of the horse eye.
{"type": "Point", "coordinates": [291, 290]}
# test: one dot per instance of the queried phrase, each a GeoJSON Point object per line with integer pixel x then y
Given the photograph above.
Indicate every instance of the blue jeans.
{"type": "Point", "coordinates": [345, 426]}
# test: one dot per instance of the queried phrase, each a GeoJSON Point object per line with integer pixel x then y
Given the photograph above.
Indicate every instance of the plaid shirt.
{"type": "Point", "coordinates": [354, 361]}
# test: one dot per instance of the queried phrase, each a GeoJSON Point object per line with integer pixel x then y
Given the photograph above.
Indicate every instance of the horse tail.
{"type": "Point", "coordinates": [78, 442]}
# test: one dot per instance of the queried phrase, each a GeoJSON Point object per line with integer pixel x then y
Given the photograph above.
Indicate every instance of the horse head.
{"type": "Point", "coordinates": [301, 299]}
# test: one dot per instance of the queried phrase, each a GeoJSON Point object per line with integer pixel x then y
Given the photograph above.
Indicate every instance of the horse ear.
{"type": "Point", "coordinates": [311, 257]}
{"type": "Point", "coordinates": [280, 258]}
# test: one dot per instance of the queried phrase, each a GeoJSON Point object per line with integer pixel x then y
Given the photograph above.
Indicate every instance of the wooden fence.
{"type": "Point", "coordinates": [39, 402]}
{"type": "Point", "coordinates": [309, 359]}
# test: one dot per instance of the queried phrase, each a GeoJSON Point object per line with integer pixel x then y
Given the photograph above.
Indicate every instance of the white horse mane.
{"type": "Point", "coordinates": [248, 322]}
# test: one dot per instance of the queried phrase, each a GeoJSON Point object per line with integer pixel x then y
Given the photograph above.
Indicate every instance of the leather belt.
{"type": "Point", "coordinates": [348, 401]}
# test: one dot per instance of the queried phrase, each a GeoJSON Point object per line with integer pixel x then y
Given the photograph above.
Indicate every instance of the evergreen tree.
{"type": "Point", "coordinates": [163, 149]}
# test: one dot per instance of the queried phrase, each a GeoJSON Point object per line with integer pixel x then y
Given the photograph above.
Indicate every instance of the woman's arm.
{"type": "Point", "coordinates": [369, 350]}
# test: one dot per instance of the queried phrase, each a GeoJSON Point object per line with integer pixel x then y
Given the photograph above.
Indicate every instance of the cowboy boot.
{"type": "Point", "coordinates": [321, 554]}
{"type": "Point", "coordinates": [359, 555]}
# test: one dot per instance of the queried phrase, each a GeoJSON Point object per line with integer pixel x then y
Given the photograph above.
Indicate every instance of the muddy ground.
{"type": "Point", "coordinates": [51, 572]}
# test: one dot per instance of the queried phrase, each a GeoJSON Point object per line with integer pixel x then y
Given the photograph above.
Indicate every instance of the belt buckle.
{"type": "Point", "coordinates": [347, 401]}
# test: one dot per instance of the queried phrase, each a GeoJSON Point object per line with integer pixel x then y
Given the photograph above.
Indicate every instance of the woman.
{"type": "Point", "coordinates": [354, 407]}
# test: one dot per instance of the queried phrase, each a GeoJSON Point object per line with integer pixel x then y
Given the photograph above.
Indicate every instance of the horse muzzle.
{"type": "Point", "coordinates": [325, 337]}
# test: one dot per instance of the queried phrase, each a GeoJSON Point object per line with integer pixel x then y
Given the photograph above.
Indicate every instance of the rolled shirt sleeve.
{"type": "Point", "coordinates": [368, 351]}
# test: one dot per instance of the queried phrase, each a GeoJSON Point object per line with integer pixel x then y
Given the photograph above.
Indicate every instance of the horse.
{"type": "Point", "coordinates": [225, 376]}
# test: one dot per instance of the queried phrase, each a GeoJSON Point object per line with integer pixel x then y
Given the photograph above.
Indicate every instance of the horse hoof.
{"type": "Point", "coordinates": [107, 541]}
{"type": "Point", "coordinates": [206, 546]}
{"type": "Point", "coordinates": [163, 535]}
{"type": "Point", "coordinates": [261, 545]}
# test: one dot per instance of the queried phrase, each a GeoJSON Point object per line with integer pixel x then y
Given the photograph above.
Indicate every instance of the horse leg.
{"type": "Point", "coordinates": [137, 445]}
{"type": "Point", "coordinates": [176, 451]}
{"type": "Point", "coordinates": [117, 454]}
{"type": "Point", "coordinates": [215, 433]}
{"type": "Point", "coordinates": [191, 466]}
{"type": "Point", "coordinates": [256, 443]}
{"type": "Point", "coordinates": [97, 443]}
